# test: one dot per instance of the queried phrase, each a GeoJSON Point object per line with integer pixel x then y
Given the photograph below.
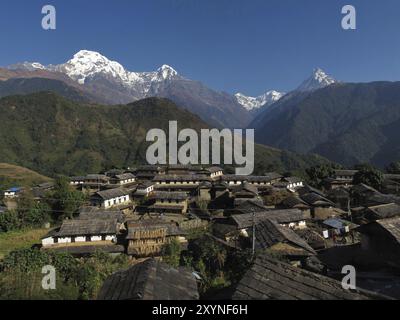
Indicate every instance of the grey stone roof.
{"type": "Point", "coordinates": [244, 221]}
{"type": "Point", "coordinates": [97, 177]}
{"type": "Point", "coordinates": [245, 188]}
{"type": "Point", "coordinates": [248, 206]}
{"type": "Point", "coordinates": [269, 233]}
{"type": "Point", "coordinates": [181, 178]}
{"type": "Point", "coordinates": [293, 179]}
{"type": "Point", "coordinates": [112, 193]}
{"type": "Point", "coordinates": [166, 195]}
{"type": "Point", "coordinates": [345, 172]}
{"type": "Point", "coordinates": [88, 227]}
{"type": "Point", "coordinates": [124, 176]}
{"type": "Point", "coordinates": [93, 213]}
{"type": "Point", "coordinates": [270, 279]}
{"type": "Point", "coordinates": [214, 169]}
{"type": "Point", "coordinates": [392, 226]}
{"type": "Point", "coordinates": [294, 201]}
{"type": "Point", "coordinates": [256, 179]}
{"type": "Point", "coordinates": [150, 280]}
{"type": "Point", "coordinates": [316, 200]}
{"type": "Point", "coordinates": [385, 210]}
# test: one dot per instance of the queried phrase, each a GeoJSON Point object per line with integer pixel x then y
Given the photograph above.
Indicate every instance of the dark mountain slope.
{"type": "Point", "coordinates": [17, 86]}
{"type": "Point", "coordinates": [216, 108]}
{"type": "Point", "coordinates": [347, 123]}
{"type": "Point", "coordinates": [52, 135]}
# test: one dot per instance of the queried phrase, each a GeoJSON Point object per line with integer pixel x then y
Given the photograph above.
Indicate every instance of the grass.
{"type": "Point", "coordinates": [21, 176]}
{"type": "Point", "coordinates": [15, 240]}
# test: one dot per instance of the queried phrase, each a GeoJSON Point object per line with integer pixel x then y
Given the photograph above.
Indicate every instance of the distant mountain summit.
{"type": "Point", "coordinates": [318, 80]}
{"type": "Point", "coordinates": [255, 103]}
{"type": "Point", "coordinates": [27, 66]}
{"type": "Point", "coordinates": [87, 66]}
{"type": "Point", "coordinates": [111, 83]}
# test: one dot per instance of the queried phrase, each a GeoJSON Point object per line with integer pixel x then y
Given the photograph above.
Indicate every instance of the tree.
{"type": "Point", "coordinates": [25, 203]}
{"type": "Point", "coordinates": [76, 278]}
{"type": "Point", "coordinates": [65, 200]}
{"type": "Point", "coordinates": [368, 175]}
{"type": "Point", "coordinates": [317, 174]}
{"type": "Point", "coordinates": [30, 212]}
{"type": "Point", "coordinates": [393, 168]}
{"type": "Point", "coordinates": [172, 253]}
{"type": "Point", "coordinates": [38, 215]}
{"type": "Point", "coordinates": [9, 221]}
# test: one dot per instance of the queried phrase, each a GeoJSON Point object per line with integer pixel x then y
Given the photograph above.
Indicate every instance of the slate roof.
{"type": "Point", "coordinates": [389, 227]}
{"type": "Point", "coordinates": [181, 178]}
{"type": "Point", "coordinates": [88, 227]}
{"type": "Point", "coordinates": [245, 188]}
{"type": "Point", "coordinates": [112, 193]}
{"type": "Point", "coordinates": [338, 193]}
{"type": "Point", "coordinates": [316, 200]}
{"type": "Point", "coordinates": [92, 213]}
{"type": "Point", "coordinates": [385, 210]}
{"type": "Point", "coordinates": [77, 178]}
{"type": "Point", "coordinates": [146, 184]}
{"type": "Point", "coordinates": [149, 168]}
{"type": "Point", "coordinates": [150, 280]}
{"type": "Point", "coordinates": [380, 198]}
{"type": "Point", "coordinates": [273, 175]}
{"type": "Point", "coordinates": [345, 172]}
{"type": "Point", "coordinates": [270, 279]}
{"type": "Point", "coordinates": [249, 205]}
{"type": "Point", "coordinates": [294, 201]}
{"type": "Point", "coordinates": [124, 176]}
{"type": "Point", "coordinates": [97, 177]}
{"type": "Point", "coordinates": [394, 177]}
{"type": "Point", "coordinates": [308, 189]}
{"type": "Point", "coordinates": [269, 233]}
{"type": "Point", "coordinates": [257, 179]}
{"type": "Point", "coordinates": [363, 188]}
{"type": "Point", "coordinates": [166, 195]}
{"type": "Point", "coordinates": [244, 221]}
{"type": "Point", "coordinates": [392, 226]}
{"type": "Point", "coordinates": [293, 179]}
{"type": "Point", "coordinates": [214, 169]}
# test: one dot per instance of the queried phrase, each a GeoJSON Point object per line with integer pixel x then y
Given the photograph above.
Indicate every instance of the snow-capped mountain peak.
{"type": "Point", "coordinates": [318, 80]}
{"type": "Point", "coordinates": [253, 103]}
{"type": "Point", "coordinates": [165, 72]}
{"type": "Point", "coordinates": [86, 64]}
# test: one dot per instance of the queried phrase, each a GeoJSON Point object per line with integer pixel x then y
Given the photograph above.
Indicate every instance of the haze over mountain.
{"type": "Point", "coordinates": [111, 83]}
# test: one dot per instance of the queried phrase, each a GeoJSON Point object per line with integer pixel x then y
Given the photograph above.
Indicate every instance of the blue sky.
{"type": "Point", "coordinates": [230, 45]}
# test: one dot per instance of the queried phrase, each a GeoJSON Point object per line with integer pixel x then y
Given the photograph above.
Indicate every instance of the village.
{"type": "Point", "coordinates": [295, 234]}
